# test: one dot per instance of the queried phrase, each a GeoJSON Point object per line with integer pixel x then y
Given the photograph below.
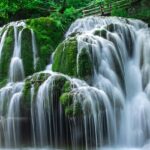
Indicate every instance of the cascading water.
{"type": "Point", "coordinates": [11, 94]}
{"type": "Point", "coordinates": [16, 66]}
{"type": "Point", "coordinates": [112, 108]}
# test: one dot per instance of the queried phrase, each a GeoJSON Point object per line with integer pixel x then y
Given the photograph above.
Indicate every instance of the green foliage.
{"type": "Point", "coordinates": [48, 34]}
{"type": "Point", "coordinates": [23, 9]}
{"type": "Point", "coordinates": [122, 12]}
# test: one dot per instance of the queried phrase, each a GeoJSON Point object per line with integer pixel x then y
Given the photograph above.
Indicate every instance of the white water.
{"type": "Point", "coordinates": [2, 42]}
{"type": "Point", "coordinates": [16, 67]}
{"type": "Point", "coordinates": [122, 48]}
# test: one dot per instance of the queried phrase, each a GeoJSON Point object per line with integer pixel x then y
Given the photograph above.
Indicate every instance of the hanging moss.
{"type": "Point", "coordinates": [26, 52]}
{"type": "Point", "coordinates": [65, 57]}
{"type": "Point", "coordinates": [66, 99]}
{"type": "Point", "coordinates": [6, 54]}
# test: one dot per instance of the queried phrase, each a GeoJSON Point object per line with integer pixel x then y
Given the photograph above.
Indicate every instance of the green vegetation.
{"type": "Point", "coordinates": [12, 10]}
{"type": "Point", "coordinates": [65, 11]}
{"type": "Point", "coordinates": [48, 34]}
{"type": "Point", "coordinates": [34, 82]}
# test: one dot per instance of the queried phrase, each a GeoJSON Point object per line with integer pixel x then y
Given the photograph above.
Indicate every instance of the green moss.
{"type": "Point", "coordinates": [27, 91]}
{"type": "Point", "coordinates": [74, 110]}
{"type": "Point", "coordinates": [6, 54]}
{"type": "Point", "coordinates": [65, 60]}
{"type": "Point", "coordinates": [85, 66]}
{"type": "Point", "coordinates": [33, 81]}
{"type": "Point", "coordinates": [58, 85]}
{"type": "Point", "coordinates": [26, 52]}
{"type": "Point", "coordinates": [71, 108]}
{"type": "Point", "coordinates": [67, 87]}
{"type": "Point", "coordinates": [66, 99]}
{"type": "Point", "coordinates": [65, 57]}
{"type": "Point", "coordinates": [48, 35]}
{"type": "Point", "coordinates": [38, 79]}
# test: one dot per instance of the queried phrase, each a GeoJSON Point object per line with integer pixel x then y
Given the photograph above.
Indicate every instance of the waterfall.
{"type": "Point", "coordinates": [109, 108]}
{"type": "Point", "coordinates": [16, 67]}
{"type": "Point", "coordinates": [11, 94]}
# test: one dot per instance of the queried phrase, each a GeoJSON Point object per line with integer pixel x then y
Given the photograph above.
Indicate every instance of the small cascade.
{"type": "Point", "coordinates": [13, 134]}
{"type": "Point", "coordinates": [16, 67]}
{"type": "Point", "coordinates": [47, 128]}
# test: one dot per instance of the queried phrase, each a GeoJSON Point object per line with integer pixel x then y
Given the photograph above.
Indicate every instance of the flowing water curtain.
{"type": "Point", "coordinates": [118, 57]}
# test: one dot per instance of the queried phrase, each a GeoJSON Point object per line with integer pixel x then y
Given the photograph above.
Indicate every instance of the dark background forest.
{"type": "Point", "coordinates": [12, 10]}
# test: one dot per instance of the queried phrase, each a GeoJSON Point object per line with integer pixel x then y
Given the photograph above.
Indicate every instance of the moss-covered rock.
{"type": "Point", "coordinates": [48, 34]}
{"type": "Point", "coordinates": [102, 33]}
{"type": "Point", "coordinates": [6, 54]}
{"type": "Point", "coordinates": [66, 99]}
{"type": "Point", "coordinates": [71, 108]}
{"type": "Point", "coordinates": [85, 65]}
{"type": "Point", "coordinates": [34, 82]}
{"type": "Point", "coordinates": [65, 57]}
{"type": "Point", "coordinates": [26, 51]}
{"type": "Point", "coordinates": [69, 61]}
